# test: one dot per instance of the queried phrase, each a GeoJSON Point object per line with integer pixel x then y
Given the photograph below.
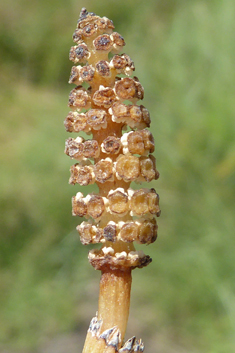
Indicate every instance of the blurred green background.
{"type": "Point", "coordinates": [184, 56]}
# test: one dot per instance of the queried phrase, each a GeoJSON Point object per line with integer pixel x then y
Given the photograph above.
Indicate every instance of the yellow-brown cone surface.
{"type": "Point", "coordinates": [117, 152]}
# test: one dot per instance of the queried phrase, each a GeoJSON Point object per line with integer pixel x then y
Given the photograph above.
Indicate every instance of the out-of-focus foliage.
{"type": "Point", "coordinates": [184, 56]}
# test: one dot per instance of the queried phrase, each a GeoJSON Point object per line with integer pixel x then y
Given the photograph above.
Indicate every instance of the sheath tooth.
{"type": "Point", "coordinates": [128, 346]}
{"type": "Point", "coordinates": [138, 347]}
{"type": "Point", "coordinates": [105, 335]}
{"type": "Point", "coordinates": [115, 340]}
{"type": "Point", "coordinates": [95, 325]}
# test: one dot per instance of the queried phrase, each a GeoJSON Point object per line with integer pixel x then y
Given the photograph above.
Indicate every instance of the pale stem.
{"type": "Point", "coordinates": [114, 299]}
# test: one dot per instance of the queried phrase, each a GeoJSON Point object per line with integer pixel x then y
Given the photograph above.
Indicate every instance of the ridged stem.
{"type": "Point", "coordinates": [114, 304]}
{"type": "Point", "coordinates": [114, 299]}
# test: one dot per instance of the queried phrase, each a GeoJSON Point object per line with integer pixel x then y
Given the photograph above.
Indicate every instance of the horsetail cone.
{"type": "Point", "coordinates": [118, 153]}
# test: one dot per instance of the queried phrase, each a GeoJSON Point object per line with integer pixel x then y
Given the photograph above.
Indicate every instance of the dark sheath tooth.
{"type": "Point", "coordinates": [128, 346]}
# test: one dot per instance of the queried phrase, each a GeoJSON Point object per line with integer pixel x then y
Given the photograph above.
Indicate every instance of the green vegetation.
{"type": "Point", "coordinates": [184, 56]}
